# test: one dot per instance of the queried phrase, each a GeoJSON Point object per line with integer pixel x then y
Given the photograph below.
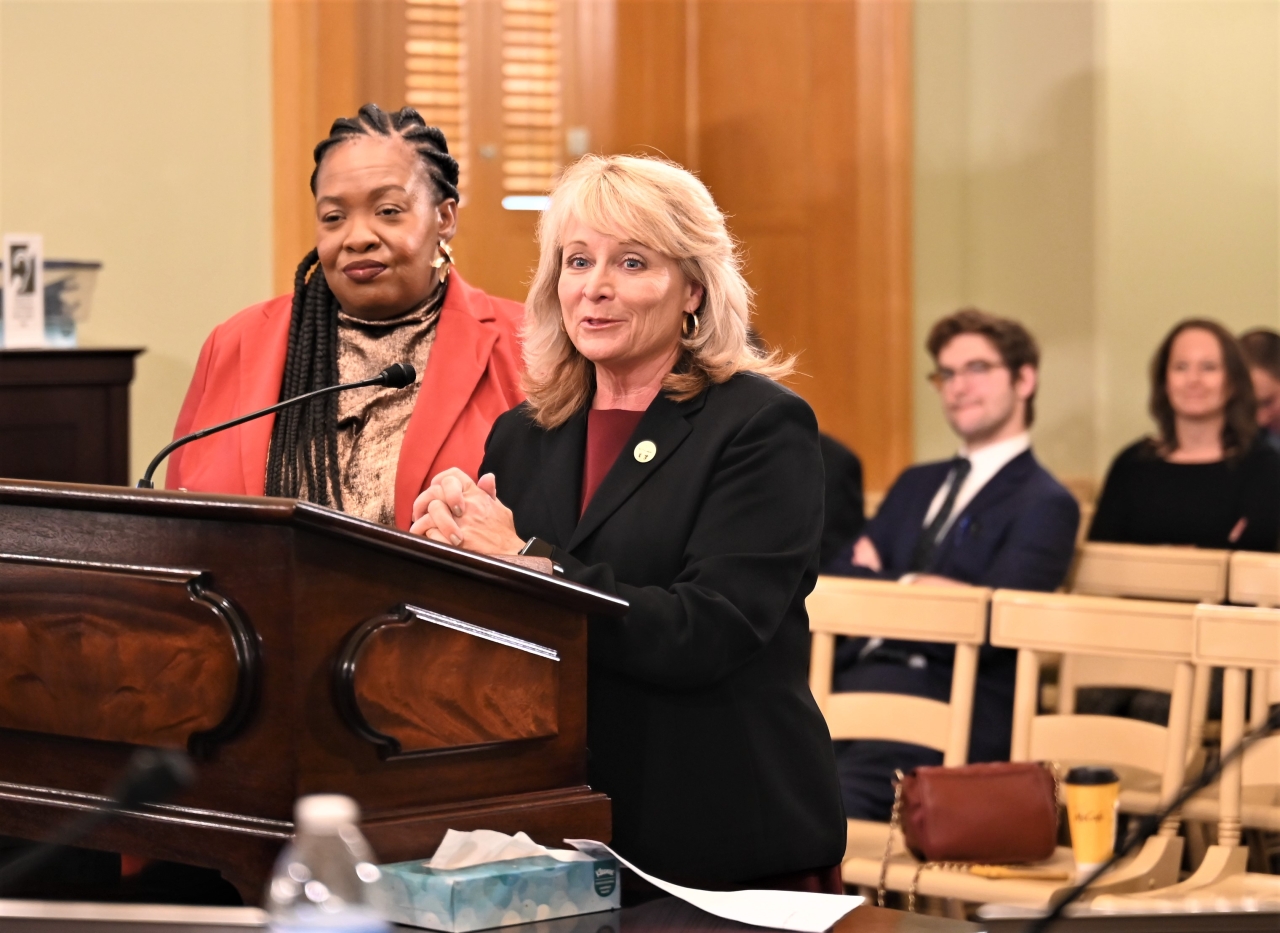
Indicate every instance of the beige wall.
{"type": "Point", "coordinates": [138, 133]}
{"type": "Point", "coordinates": [1098, 169]}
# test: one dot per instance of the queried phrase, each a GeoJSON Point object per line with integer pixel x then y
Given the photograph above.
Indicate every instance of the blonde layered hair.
{"type": "Point", "coordinates": [661, 206]}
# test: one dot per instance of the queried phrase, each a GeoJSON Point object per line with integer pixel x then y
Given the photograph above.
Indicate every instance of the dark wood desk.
{"type": "Point", "coordinates": [1158, 923]}
{"type": "Point", "coordinates": [64, 415]}
{"type": "Point", "coordinates": [667, 915]}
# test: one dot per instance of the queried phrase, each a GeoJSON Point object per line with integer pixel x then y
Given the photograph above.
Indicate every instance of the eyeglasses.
{"type": "Point", "coordinates": [977, 368]}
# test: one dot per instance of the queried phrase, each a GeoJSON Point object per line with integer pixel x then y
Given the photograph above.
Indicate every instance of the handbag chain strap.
{"type": "Point", "coordinates": [940, 866]}
{"type": "Point", "coordinates": [895, 825]}
{"type": "Point", "coordinates": [894, 820]}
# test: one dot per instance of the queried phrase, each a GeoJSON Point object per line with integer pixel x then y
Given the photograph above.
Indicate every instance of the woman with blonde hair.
{"type": "Point", "coordinates": [658, 459]}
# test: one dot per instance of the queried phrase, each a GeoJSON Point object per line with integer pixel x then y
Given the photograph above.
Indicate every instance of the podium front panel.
{"type": "Point", "coordinates": [292, 650]}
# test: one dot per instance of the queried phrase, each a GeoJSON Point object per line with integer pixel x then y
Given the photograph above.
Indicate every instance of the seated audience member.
{"type": "Point", "coordinates": [843, 512]}
{"type": "Point", "coordinates": [376, 290]}
{"type": "Point", "coordinates": [991, 516]}
{"type": "Point", "coordinates": [1206, 479]}
{"type": "Point", "coordinates": [1261, 348]}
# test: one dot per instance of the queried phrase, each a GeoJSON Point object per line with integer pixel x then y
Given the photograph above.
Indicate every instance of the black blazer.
{"type": "Point", "coordinates": [1017, 533]}
{"type": "Point", "coordinates": [701, 726]}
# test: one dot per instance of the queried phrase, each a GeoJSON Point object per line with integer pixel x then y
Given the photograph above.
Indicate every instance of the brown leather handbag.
{"type": "Point", "coordinates": [990, 814]}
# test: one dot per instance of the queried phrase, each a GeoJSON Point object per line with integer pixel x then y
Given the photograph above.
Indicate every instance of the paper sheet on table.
{"type": "Point", "coordinates": [462, 850]}
{"type": "Point", "coordinates": [784, 910]}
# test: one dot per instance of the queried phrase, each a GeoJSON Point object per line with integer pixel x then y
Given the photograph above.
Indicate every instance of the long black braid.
{"type": "Point", "coordinates": [303, 458]}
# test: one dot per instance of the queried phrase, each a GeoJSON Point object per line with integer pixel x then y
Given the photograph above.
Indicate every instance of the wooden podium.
{"type": "Point", "coordinates": [293, 650]}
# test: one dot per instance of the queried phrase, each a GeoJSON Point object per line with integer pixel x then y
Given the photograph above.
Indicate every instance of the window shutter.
{"type": "Point", "coordinates": [435, 72]}
{"type": "Point", "coordinates": [530, 96]}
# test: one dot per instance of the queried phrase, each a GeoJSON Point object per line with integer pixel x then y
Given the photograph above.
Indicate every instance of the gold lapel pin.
{"type": "Point", "coordinates": [645, 451]}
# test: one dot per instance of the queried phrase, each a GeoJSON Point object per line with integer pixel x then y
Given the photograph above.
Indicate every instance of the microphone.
{"type": "Point", "coordinates": [153, 775]}
{"type": "Point", "coordinates": [395, 376]}
{"type": "Point", "coordinates": [1148, 826]}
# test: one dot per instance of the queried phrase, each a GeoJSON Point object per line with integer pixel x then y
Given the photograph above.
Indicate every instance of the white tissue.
{"type": "Point", "coordinates": [801, 911]}
{"type": "Point", "coordinates": [462, 850]}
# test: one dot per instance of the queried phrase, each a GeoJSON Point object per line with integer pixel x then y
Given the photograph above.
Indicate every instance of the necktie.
{"type": "Point", "coordinates": [928, 542]}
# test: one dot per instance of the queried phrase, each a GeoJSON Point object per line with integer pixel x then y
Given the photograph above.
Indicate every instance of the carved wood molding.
{"type": "Point", "coordinates": [123, 653]}
{"type": "Point", "coordinates": [187, 817]}
{"type": "Point", "coordinates": [416, 682]}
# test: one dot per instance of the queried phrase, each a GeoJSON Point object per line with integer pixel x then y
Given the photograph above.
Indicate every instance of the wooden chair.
{"type": "Point", "coordinates": [1255, 804]}
{"type": "Point", "coordinates": [1255, 581]}
{"type": "Point", "coordinates": [1236, 639]}
{"type": "Point", "coordinates": [1177, 574]}
{"type": "Point", "coordinates": [1042, 625]}
{"type": "Point", "coordinates": [954, 615]}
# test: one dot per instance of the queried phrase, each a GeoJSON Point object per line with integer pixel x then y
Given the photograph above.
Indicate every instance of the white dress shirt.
{"type": "Point", "coordinates": [985, 463]}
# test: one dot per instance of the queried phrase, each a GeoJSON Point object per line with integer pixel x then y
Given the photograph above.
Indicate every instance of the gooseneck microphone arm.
{"type": "Point", "coordinates": [1150, 824]}
{"type": "Point", "coordinates": [153, 775]}
{"type": "Point", "coordinates": [395, 376]}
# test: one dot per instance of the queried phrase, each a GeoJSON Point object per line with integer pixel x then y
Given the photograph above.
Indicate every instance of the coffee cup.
{"type": "Point", "coordinates": [1093, 795]}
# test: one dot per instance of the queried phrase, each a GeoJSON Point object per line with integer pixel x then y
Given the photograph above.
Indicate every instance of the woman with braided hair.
{"type": "Point", "coordinates": [378, 289]}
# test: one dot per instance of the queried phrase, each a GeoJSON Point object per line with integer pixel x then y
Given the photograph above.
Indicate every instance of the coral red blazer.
{"type": "Point", "coordinates": [472, 377]}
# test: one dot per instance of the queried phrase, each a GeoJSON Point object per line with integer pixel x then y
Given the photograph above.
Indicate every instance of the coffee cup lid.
{"type": "Point", "coordinates": [1088, 774]}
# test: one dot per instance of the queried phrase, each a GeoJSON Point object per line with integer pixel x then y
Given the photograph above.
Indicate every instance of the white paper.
{"type": "Point", "coordinates": [783, 910]}
{"type": "Point", "coordinates": [462, 850]}
{"type": "Point", "coordinates": [23, 290]}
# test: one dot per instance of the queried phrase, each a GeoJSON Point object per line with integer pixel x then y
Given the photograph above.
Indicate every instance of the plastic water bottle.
{"type": "Point", "coordinates": [326, 878]}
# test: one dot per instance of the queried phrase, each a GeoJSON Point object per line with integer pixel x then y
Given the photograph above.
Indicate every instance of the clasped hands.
{"type": "Point", "coordinates": [457, 510]}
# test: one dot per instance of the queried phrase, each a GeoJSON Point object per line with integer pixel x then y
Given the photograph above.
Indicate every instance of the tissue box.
{"type": "Point", "coordinates": [498, 894]}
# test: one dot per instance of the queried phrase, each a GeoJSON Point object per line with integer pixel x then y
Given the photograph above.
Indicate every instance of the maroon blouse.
{"type": "Point", "coordinates": [608, 430]}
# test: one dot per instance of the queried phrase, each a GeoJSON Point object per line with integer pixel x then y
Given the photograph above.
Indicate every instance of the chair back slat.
{"type": "Point", "coordinates": [1151, 572]}
{"type": "Point", "coordinates": [1094, 671]}
{"type": "Point", "coordinates": [888, 716]}
{"type": "Point", "coordinates": [1099, 740]}
{"type": "Point", "coordinates": [1254, 579]}
{"type": "Point", "coordinates": [876, 609]}
{"type": "Point", "coordinates": [1092, 625]}
{"type": "Point", "coordinates": [1237, 636]}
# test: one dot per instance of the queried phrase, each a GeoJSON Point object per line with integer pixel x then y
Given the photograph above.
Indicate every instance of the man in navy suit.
{"type": "Point", "coordinates": [990, 516]}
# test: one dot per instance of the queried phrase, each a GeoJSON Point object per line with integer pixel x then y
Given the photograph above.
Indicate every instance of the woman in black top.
{"type": "Point", "coordinates": [657, 458]}
{"type": "Point", "coordinates": [1204, 480]}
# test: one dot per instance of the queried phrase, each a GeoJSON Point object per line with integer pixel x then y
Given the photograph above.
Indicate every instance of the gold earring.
{"type": "Point", "coordinates": [684, 326]}
{"type": "Point", "coordinates": [443, 261]}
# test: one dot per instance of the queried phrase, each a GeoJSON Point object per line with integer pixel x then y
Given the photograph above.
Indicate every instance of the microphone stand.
{"type": "Point", "coordinates": [1148, 826]}
{"type": "Point", "coordinates": [153, 775]}
{"type": "Point", "coordinates": [396, 376]}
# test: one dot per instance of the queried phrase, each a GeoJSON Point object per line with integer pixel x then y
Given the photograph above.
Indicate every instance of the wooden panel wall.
{"type": "Point", "coordinates": [796, 113]}
{"type": "Point", "coordinates": [328, 58]}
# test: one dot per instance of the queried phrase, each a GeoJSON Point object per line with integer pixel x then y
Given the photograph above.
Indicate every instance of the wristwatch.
{"type": "Point", "coordinates": [536, 547]}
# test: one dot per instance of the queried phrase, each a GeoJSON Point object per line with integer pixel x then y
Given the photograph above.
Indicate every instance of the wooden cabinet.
{"type": "Point", "coordinates": [64, 415]}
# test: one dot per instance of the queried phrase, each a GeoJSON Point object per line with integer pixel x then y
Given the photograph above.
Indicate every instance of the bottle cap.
{"type": "Point", "coordinates": [325, 813]}
{"type": "Point", "coordinates": [1088, 775]}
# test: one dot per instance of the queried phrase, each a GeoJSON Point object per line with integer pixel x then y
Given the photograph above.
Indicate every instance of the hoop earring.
{"type": "Point", "coordinates": [685, 332]}
{"type": "Point", "coordinates": [443, 261]}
